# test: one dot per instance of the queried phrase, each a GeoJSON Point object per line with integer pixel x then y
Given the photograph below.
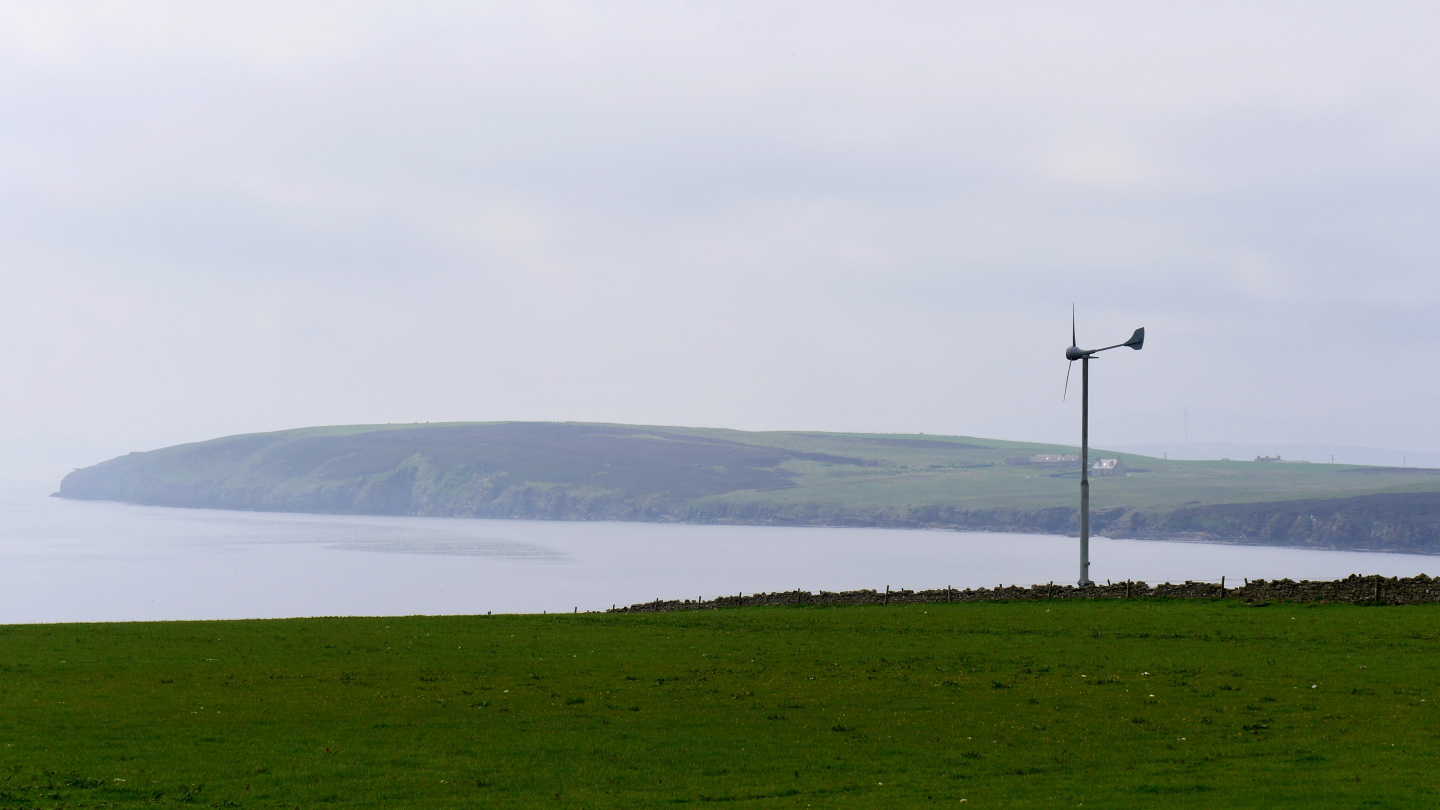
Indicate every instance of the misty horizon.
{"type": "Point", "coordinates": [835, 218]}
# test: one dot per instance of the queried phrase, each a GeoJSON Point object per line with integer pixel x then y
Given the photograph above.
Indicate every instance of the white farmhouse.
{"type": "Point", "coordinates": [1108, 466]}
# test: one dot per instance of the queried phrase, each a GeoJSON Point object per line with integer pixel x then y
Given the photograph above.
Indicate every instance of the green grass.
{"type": "Point", "coordinates": [637, 472]}
{"type": "Point", "coordinates": [1110, 704]}
{"type": "Point", "coordinates": [976, 477]}
{"type": "Point", "coordinates": [674, 468]}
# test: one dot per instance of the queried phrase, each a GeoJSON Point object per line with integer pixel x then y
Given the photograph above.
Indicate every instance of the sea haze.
{"type": "Point", "coordinates": [67, 561]}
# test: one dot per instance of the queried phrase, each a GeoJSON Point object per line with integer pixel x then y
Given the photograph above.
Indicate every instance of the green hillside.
{"type": "Point", "coordinates": [578, 471]}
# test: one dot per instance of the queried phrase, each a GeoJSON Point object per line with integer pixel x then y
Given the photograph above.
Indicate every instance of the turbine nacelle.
{"type": "Point", "coordinates": [1136, 342]}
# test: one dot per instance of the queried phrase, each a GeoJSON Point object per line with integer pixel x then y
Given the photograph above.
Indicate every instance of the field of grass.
{"type": "Point", "coordinates": [700, 466]}
{"type": "Point", "coordinates": [1109, 704]}
{"type": "Point", "coordinates": [971, 473]}
{"type": "Point", "coordinates": [574, 471]}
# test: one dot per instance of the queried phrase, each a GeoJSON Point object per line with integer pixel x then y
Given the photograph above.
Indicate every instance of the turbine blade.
{"type": "Point", "coordinates": [1068, 366]}
{"type": "Point", "coordinates": [1073, 341]}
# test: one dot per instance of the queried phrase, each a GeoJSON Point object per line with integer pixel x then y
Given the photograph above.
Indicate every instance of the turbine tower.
{"type": "Point", "coordinates": [1072, 354]}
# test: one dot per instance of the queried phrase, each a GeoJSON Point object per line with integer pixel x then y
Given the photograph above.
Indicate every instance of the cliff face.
{"type": "Point", "coordinates": [606, 472]}
{"type": "Point", "coordinates": [491, 470]}
{"type": "Point", "coordinates": [1407, 522]}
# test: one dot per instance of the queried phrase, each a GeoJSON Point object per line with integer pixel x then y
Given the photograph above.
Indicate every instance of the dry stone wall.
{"type": "Point", "coordinates": [1354, 589]}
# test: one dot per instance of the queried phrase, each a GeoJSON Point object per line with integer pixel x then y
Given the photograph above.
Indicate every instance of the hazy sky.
{"type": "Point", "coordinates": [230, 218]}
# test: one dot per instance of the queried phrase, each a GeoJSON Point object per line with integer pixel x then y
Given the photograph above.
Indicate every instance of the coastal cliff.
{"type": "Point", "coordinates": [570, 471]}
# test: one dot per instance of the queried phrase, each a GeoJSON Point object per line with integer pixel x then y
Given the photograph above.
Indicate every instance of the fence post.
{"type": "Point", "coordinates": [1222, 587]}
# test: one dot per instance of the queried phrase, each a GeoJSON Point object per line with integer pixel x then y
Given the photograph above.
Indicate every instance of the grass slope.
{"type": "Point", "coordinates": [1120, 704]}
{"type": "Point", "coordinates": [630, 472]}
{"type": "Point", "coordinates": [863, 470]}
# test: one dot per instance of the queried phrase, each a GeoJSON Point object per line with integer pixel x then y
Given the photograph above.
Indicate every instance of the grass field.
{"type": "Point", "coordinates": [1020, 704]}
{"type": "Point", "coordinates": [629, 472]}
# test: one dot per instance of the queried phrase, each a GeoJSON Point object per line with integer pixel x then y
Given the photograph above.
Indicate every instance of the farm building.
{"type": "Point", "coordinates": [1108, 466]}
{"type": "Point", "coordinates": [1051, 460]}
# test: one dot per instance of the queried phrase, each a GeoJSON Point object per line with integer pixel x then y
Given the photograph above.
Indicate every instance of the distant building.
{"type": "Point", "coordinates": [1108, 466]}
{"type": "Point", "coordinates": [1273, 458]}
{"type": "Point", "coordinates": [1051, 460]}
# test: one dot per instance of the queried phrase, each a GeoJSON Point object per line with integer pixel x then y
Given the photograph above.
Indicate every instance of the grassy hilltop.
{"type": "Point", "coordinates": [1105, 703]}
{"type": "Point", "coordinates": [628, 472]}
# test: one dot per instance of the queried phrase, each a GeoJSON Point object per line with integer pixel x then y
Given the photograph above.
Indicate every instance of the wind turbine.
{"type": "Point", "coordinates": [1072, 354]}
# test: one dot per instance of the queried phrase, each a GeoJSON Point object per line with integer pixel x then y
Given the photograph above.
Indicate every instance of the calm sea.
{"type": "Point", "coordinates": [66, 561]}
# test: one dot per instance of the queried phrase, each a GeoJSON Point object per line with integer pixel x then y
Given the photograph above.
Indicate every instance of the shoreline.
{"type": "Point", "coordinates": [1146, 535]}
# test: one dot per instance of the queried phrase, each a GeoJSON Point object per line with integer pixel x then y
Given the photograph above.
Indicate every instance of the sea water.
{"type": "Point", "coordinates": [72, 561]}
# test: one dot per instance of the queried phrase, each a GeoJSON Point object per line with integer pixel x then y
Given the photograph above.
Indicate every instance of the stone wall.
{"type": "Point", "coordinates": [1353, 589]}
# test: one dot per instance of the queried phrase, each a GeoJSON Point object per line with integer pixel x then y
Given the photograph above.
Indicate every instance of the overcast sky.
{"type": "Point", "coordinates": [220, 219]}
